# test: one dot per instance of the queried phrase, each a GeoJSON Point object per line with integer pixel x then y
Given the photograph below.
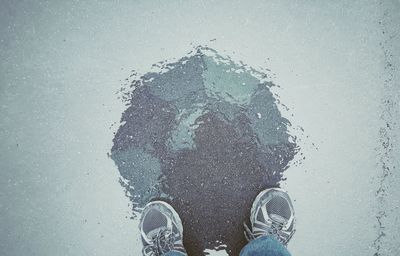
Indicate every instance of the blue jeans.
{"type": "Point", "coordinates": [262, 246]}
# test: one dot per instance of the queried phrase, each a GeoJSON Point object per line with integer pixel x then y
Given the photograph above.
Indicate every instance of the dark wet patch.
{"type": "Point", "coordinates": [206, 135]}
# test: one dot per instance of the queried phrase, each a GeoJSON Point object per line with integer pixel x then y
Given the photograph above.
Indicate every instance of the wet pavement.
{"type": "Point", "coordinates": [70, 169]}
{"type": "Point", "coordinates": [205, 134]}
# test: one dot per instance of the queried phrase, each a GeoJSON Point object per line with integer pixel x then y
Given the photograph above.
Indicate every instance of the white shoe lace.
{"type": "Point", "coordinates": [162, 242]}
{"type": "Point", "coordinates": [274, 230]}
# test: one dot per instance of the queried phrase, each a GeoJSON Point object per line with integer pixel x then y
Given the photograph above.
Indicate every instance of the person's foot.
{"type": "Point", "coordinates": [161, 229]}
{"type": "Point", "coordinates": [272, 214]}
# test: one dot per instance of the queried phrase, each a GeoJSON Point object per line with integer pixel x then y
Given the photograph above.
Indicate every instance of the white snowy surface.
{"type": "Point", "coordinates": [62, 62]}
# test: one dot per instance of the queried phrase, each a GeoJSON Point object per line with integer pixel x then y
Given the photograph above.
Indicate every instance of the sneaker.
{"type": "Point", "coordinates": [161, 229]}
{"type": "Point", "coordinates": [272, 214]}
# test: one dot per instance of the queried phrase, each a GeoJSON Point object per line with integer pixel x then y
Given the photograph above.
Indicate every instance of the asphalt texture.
{"type": "Point", "coordinates": [204, 134]}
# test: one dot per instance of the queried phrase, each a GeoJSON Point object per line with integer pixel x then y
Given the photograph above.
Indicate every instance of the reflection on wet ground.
{"type": "Point", "coordinates": [205, 134]}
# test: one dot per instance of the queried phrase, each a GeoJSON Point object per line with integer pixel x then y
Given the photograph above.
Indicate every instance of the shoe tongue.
{"type": "Point", "coordinates": [278, 219]}
{"type": "Point", "coordinates": [177, 242]}
{"type": "Point", "coordinates": [153, 233]}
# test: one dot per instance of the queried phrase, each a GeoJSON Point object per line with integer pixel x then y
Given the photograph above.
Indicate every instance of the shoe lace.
{"type": "Point", "coordinates": [162, 242]}
{"type": "Point", "coordinates": [274, 230]}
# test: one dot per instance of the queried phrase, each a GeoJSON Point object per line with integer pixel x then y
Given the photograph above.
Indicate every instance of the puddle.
{"type": "Point", "coordinates": [205, 134]}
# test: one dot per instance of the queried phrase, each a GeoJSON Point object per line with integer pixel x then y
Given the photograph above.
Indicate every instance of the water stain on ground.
{"type": "Point", "coordinates": [205, 134]}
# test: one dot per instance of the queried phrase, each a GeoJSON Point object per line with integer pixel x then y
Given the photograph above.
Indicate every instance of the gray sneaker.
{"type": "Point", "coordinates": [272, 214]}
{"type": "Point", "coordinates": [161, 229]}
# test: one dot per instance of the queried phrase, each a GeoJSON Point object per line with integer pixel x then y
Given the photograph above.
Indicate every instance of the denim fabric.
{"type": "Point", "coordinates": [264, 246]}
